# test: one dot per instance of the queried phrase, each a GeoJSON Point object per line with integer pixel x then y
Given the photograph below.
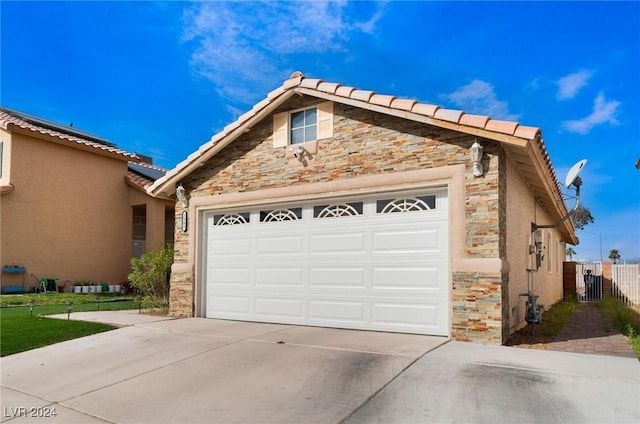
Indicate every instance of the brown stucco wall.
{"type": "Point", "coordinates": [69, 216]}
{"type": "Point", "coordinates": [367, 144]}
{"type": "Point", "coordinates": [522, 210]}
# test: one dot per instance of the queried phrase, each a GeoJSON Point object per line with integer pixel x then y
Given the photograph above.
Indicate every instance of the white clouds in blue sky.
{"type": "Point", "coordinates": [479, 97]}
{"type": "Point", "coordinates": [604, 112]}
{"type": "Point", "coordinates": [244, 48]}
{"type": "Point", "coordinates": [568, 86]}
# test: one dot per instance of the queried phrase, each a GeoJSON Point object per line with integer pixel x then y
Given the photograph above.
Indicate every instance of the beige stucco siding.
{"type": "Point", "coordinates": [69, 215]}
{"type": "Point", "coordinates": [522, 210]}
{"type": "Point", "coordinates": [367, 145]}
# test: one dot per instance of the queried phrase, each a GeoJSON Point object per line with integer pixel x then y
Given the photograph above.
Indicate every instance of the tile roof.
{"type": "Point", "coordinates": [142, 175]}
{"type": "Point", "coordinates": [65, 134]}
{"type": "Point", "coordinates": [522, 143]}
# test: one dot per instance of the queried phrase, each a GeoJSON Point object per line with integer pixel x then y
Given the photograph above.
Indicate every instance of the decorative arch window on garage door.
{"type": "Point", "coordinates": [291, 214]}
{"type": "Point", "coordinates": [412, 204]}
{"type": "Point", "coordinates": [339, 210]}
{"type": "Point", "coordinates": [231, 218]}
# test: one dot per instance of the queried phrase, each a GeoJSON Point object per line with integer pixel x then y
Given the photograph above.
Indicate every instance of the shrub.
{"type": "Point", "coordinates": [150, 275]}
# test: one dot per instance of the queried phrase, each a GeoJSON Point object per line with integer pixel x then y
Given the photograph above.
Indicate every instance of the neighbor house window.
{"type": "Point", "coordinates": [304, 126]}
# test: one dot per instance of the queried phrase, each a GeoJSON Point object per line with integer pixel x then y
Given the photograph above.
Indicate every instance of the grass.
{"type": "Point", "coordinates": [626, 319]}
{"type": "Point", "coordinates": [19, 331]}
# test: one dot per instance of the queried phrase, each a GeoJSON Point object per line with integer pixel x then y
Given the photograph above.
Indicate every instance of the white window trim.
{"type": "Point", "coordinates": [282, 124]}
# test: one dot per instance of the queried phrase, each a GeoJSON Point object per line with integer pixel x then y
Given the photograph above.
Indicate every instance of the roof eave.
{"type": "Point", "coordinates": [12, 127]}
{"type": "Point", "coordinates": [166, 185]}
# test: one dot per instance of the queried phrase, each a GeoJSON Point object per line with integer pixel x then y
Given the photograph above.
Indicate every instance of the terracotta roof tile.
{"type": "Point", "coordinates": [363, 95]}
{"type": "Point", "coordinates": [451, 115]}
{"type": "Point", "coordinates": [293, 81]}
{"type": "Point", "coordinates": [328, 87]}
{"type": "Point", "coordinates": [404, 104]}
{"type": "Point", "coordinates": [275, 93]}
{"type": "Point", "coordinates": [310, 83]}
{"type": "Point", "coordinates": [425, 109]}
{"type": "Point", "coordinates": [478, 121]}
{"type": "Point", "coordinates": [505, 127]}
{"type": "Point", "coordinates": [68, 134]}
{"type": "Point", "coordinates": [527, 132]}
{"type": "Point", "coordinates": [344, 91]}
{"type": "Point", "coordinates": [382, 100]}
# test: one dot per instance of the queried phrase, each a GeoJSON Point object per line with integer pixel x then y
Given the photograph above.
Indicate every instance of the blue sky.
{"type": "Point", "coordinates": [160, 78]}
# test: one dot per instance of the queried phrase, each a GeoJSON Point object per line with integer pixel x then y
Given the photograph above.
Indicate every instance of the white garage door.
{"type": "Point", "coordinates": [365, 263]}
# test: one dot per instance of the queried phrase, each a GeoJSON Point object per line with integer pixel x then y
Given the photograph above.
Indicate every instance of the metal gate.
{"type": "Point", "coordinates": [589, 282]}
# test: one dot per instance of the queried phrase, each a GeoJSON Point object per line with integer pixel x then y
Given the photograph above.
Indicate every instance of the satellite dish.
{"type": "Point", "coordinates": [573, 172]}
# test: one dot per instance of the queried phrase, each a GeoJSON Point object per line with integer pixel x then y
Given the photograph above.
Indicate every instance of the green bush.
{"type": "Point", "coordinates": [150, 275]}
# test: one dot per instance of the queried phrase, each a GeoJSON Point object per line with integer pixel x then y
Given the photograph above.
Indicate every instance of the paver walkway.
{"type": "Point", "coordinates": [585, 333]}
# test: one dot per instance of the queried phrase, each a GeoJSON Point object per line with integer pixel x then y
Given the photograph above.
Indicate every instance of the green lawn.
{"type": "Point", "coordinates": [19, 331]}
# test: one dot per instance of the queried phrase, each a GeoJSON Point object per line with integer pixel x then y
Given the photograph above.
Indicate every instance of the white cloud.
{"type": "Point", "coordinates": [568, 86]}
{"type": "Point", "coordinates": [604, 111]}
{"type": "Point", "coordinates": [245, 48]}
{"type": "Point", "coordinates": [479, 97]}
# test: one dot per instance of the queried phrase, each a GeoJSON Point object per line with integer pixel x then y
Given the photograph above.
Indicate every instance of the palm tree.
{"type": "Point", "coordinates": [570, 252]}
{"type": "Point", "coordinates": [614, 255]}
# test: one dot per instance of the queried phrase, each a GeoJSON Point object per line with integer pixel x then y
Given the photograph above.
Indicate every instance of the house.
{"type": "Point", "coordinates": [327, 205]}
{"type": "Point", "coordinates": [73, 207]}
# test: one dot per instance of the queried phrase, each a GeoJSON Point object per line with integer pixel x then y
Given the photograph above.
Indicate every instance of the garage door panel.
{"type": "Point", "coordinates": [345, 242]}
{"type": "Point", "coordinates": [403, 315]}
{"type": "Point", "coordinates": [234, 246]}
{"type": "Point", "coordinates": [271, 307]}
{"type": "Point", "coordinates": [290, 276]}
{"type": "Point", "coordinates": [237, 306]}
{"type": "Point", "coordinates": [406, 240]}
{"type": "Point", "coordinates": [407, 278]}
{"type": "Point", "coordinates": [231, 276]}
{"type": "Point", "coordinates": [337, 277]}
{"type": "Point", "coordinates": [280, 245]}
{"type": "Point", "coordinates": [336, 311]}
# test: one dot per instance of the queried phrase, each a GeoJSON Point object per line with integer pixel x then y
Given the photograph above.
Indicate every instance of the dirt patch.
{"type": "Point", "coordinates": [525, 340]}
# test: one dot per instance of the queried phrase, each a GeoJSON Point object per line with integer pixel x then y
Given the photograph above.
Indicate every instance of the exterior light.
{"type": "Point", "coordinates": [182, 196]}
{"type": "Point", "coordinates": [476, 159]}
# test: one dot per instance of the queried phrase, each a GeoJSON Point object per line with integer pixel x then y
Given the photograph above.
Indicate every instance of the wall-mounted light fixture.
{"type": "Point", "coordinates": [297, 151]}
{"type": "Point", "coordinates": [182, 196]}
{"type": "Point", "coordinates": [476, 158]}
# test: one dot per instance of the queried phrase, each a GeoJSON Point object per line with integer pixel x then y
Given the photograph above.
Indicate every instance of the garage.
{"type": "Point", "coordinates": [370, 262]}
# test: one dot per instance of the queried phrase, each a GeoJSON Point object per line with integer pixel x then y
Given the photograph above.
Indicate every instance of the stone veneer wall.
{"type": "Point", "coordinates": [370, 143]}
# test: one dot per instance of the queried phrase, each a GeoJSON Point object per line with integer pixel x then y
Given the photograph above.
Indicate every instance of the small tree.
{"type": "Point", "coordinates": [570, 252]}
{"type": "Point", "coordinates": [150, 275]}
{"type": "Point", "coordinates": [582, 217]}
{"type": "Point", "coordinates": [614, 255]}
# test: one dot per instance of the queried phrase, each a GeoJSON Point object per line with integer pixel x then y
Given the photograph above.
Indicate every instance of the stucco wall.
{"type": "Point", "coordinates": [365, 144]}
{"type": "Point", "coordinates": [69, 216]}
{"type": "Point", "coordinates": [522, 210]}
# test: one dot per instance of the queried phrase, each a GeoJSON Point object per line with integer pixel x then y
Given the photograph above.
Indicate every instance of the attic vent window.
{"type": "Point", "coordinates": [304, 126]}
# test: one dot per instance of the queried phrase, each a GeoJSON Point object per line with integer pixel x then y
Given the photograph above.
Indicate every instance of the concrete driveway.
{"type": "Point", "coordinates": [199, 370]}
{"type": "Point", "coordinates": [202, 370]}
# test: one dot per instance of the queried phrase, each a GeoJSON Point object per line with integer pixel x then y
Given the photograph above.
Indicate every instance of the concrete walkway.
{"type": "Point", "coordinates": [590, 331]}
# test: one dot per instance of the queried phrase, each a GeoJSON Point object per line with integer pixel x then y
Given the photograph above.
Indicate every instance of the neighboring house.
{"type": "Point", "coordinates": [327, 205]}
{"type": "Point", "coordinates": [68, 204]}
